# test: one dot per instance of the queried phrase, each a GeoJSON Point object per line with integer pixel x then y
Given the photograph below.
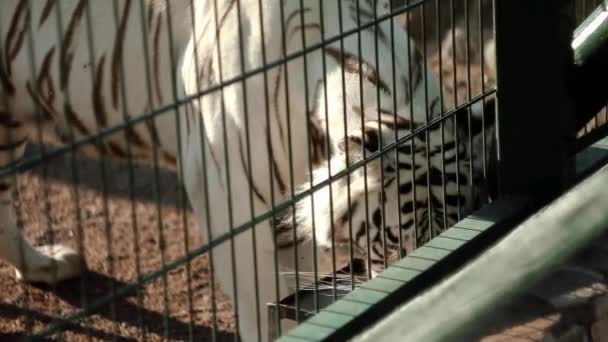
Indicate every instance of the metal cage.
{"type": "Point", "coordinates": [520, 108]}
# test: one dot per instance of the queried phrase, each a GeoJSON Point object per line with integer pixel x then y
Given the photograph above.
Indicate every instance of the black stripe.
{"type": "Point", "coordinates": [408, 207]}
{"type": "Point", "coordinates": [275, 165]}
{"type": "Point", "coordinates": [73, 120]}
{"type": "Point", "coordinates": [117, 150]}
{"type": "Point", "coordinates": [407, 225]}
{"type": "Point", "coordinates": [391, 237]}
{"type": "Point", "coordinates": [405, 188]}
{"type": "Point", "coordinates": [99, 108]}
{"type": "Point", "coordinates": [16, 34]}
{"type": "Point", "coordinates": [347, 216]}
{"type": "Point", "coordinates": [361, 231]}
{"type": "Point", "coordinates": [354, 65]}
{"type": "Point", "coordinates": [375, 250]}
{"type": "Point", "coordinates": [404, 166]}
{"type": "Point", "coordinates": [66, 53]}
{"type": "Point", "coordinates": [117, 63]}
{"type": "Point", "coordinates": [46, 11]}
{"type": "Point", "coordinates": [377, 218]}
{"type": "Point", "coordinates": [255, 189]}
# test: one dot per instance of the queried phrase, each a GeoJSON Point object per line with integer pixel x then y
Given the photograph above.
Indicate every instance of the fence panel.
{"type": "Point", "coordinates": [276, 153]}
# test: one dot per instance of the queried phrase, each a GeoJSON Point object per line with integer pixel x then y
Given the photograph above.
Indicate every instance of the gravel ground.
{"type": "Point", "coordinates": [111, 258]}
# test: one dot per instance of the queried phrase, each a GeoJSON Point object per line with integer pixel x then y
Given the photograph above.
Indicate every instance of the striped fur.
{"type": "Point", "coordinates": [245, 140]}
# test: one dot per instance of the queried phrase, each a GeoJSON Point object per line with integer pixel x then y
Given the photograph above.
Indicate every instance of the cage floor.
{"type": "Point", "coordinates": [26, 308]}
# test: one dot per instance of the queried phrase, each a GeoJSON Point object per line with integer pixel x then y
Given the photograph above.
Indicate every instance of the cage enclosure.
{"type": "Point", "coordinates": [227, 169]}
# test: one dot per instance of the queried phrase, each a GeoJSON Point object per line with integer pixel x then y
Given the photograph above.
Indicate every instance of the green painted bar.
{"type": "Point", "coordinates": [367, 296]}
{"type": "Point", "coordinates": [445, 243]}
{"type": "Point", "coordinates": [406, 270]}
{"type": "Point", "coordinates": [399, 274]}
{"type": "Point", "coordinates": [460, 234]}
{"type": "Point", "coordinates": [379, 283]}
{"type": "Point", "coordinates": [414, 264]}
{"type": "Point", "coordinates": [330, 319]}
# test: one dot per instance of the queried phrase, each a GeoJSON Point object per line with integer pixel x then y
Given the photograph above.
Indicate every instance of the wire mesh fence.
{"type": "Point", "coordinates": [317, 142]}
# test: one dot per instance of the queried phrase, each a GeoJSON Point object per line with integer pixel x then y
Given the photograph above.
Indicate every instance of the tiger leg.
{"type": "Point", "coordinates": [47, 264]}
{"type": "Point", "coordinates": [244, 263]}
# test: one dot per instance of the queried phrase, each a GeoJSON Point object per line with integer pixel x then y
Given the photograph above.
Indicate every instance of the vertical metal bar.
{"type": "Point", "coordinates": [427, 139]}
{"type": "Point", "coordinates": [102, 166]}
{"type": "Point", "coordinates": [205, 186]}
{"type": "Point", "coordinates": [256, 282]}
{"type": "Point", "coordinates": [270, 152]}
{"type": "Point", "coordinates": [326, 118]}
{"type": "Point", "coordinates": [346, 147]}
{"type": "Point", "coordinates": [136, 237]}
{"type": "Point", "coordinates": [124, 105]}
{"type": "Point", "coordinates": [181, 193]}
{"type": "Point", "coordinates": [218, 50]}
{"type": "Point", "coordinates": [456, 103]}
{"type": "Point", "coordinates": [14, 193]}
{"type": "Point", "coordinates": [535, 121]}
{"type": "Point", "coordinates": [410, 92]}
{"type": "Point", "coordinates": [469, 117]}
{"type": "Point", "coordinates": [361, 104]}
{"type": "Point", "coordinates": [481, 42]}
{"type": "Point", "coordinates": [290, 147]}
{"type": "Point", "coordinates": [396, 135]}
{"type": "Point", "coordinates": [309, 150]}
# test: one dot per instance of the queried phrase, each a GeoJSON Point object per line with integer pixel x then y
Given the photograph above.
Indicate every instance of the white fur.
{"type": "Point", "coordinates": [223, 114]}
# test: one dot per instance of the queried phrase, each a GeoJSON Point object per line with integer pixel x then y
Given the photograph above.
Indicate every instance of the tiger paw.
{"type": "Point", "coordinates": [59, 263]}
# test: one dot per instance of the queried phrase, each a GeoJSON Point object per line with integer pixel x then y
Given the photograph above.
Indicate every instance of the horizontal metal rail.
{"type": "Point", "coordinates": [459, 305]}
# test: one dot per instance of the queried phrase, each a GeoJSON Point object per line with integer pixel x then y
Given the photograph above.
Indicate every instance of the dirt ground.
{"type": "Point", "coordinates": [110, 251]}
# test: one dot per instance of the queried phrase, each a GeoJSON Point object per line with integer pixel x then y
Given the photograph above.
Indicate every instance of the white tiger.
{"type": "Point", "coordinates": [245, 139]}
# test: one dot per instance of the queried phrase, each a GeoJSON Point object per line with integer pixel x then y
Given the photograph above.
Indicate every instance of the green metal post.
{"type": "Point", "coordinates": [535, 114]}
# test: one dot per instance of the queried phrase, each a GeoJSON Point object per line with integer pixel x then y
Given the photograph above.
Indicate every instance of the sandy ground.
{"type": "Point", "coordinates": [51, 210]}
